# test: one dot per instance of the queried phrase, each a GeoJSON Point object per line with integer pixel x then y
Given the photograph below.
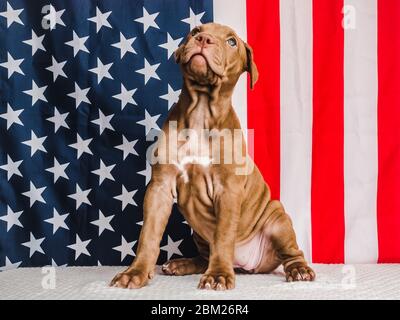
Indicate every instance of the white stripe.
{"type": "Point", "coordinates": [360, 144]}
{"type": "Point", "coordinates": [233, 14]}
{"type": "Point", "coordinates": [296, 116]}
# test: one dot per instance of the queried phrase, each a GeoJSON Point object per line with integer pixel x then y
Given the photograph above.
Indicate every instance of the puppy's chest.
{"type": "Point", "coordinates": [195, 196]}
{"type": "Point", "coordinates": [195, 180]}
{"type": "Point", "coordinates": [194, 158]}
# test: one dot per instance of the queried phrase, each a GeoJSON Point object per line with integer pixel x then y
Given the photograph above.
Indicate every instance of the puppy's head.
{"type": "Point", "coordinates": [212, 53]}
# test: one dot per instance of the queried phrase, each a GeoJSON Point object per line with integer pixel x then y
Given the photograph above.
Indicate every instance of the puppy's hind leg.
{"type": "Point", "coordinates": [186, 266]}
{"type": "Point", "coordinates": [284, 242]}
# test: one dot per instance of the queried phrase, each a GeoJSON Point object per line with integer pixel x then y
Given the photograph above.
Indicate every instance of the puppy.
{"type": "Point", "coordinates": [235, 223]}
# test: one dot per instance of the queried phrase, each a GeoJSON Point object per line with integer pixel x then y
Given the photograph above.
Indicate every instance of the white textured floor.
{"type": "Point", "coordinates": [333, 282]}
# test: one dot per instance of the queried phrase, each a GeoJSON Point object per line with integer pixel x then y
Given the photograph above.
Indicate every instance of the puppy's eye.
{"type": "Point", "coordinates": [195, 31]}
{"type": "Point", "coordinates": [232, 42]}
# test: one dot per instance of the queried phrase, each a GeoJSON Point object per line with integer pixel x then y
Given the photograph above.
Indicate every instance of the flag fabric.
{"type": "Point", "coordinates": [84, 82]}
{"type": "Point", "coordinates": [325, 116]}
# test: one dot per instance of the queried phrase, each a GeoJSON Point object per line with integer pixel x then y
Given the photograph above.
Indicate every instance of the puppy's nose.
{"type": "Point", "coordinates": [204, 39]}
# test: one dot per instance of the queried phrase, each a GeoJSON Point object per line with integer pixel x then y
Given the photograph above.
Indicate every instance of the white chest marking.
{"type": "Point", "coordinates": [203, 161]}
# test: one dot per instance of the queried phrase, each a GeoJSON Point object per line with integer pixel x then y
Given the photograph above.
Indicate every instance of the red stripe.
{"type": "Point", "coordinates": [263, 103]}
{"type": "Point", "coordinates": [327, 177]}
{"type": "Point", "coordinates": [388, 201]}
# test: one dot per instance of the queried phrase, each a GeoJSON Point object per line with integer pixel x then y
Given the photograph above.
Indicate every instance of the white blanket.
{"type": "Point", "coordinates": [333, 282]}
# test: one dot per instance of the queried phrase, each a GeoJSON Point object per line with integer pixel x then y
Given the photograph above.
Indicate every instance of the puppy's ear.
{"type": "Point", "coordinates": [251, 67]}
{"type": "Point", "coordinates": [177, 53]}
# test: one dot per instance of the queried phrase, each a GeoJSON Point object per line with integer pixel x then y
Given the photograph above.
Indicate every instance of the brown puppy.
{"type": "Point", "coordinates": [227, 203]}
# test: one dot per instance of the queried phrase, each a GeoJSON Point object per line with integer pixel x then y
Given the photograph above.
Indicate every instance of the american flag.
{"type": "Point", "coordinates": [84, 82]}
{"type": "Point", "coordinates": [326, 118]}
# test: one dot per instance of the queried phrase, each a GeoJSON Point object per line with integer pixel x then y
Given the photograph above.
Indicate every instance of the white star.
{"type": "Point", "coordinates": [126, 96]}
{"type": "Point", "coordinates": [54, 264]}
{"type": "Point", "coordinates": [100, 19]}
{"type": "Point", "coordinates": [172, 247]}
{"type": "Point", "coordinates": [102, 71]}
{"type": "Point", "coordinates": [35, 42]}
{"type": "Point", "coordinates": [104, 172]}
{"type": "Point", "coordinates": [78, 44]}
{"type": "Point", "coordinates": [59, 120]}
{"type": "Point", "coordinates": [125, 45]}
{"type": "Point", "coordinates": [80, 247]}
{"type": "Point", "coordinates": [34, 245]}
{"type": "Point", "coordinates": [58, 170]}
{"type": "Point", "coordinates": [12, 168]}
{"type": "Point", "coordinates": [80, 95]}
{"type": "Point", "coordinates": [34, 194]}
{"type": "Point", "coordinates": [12, 218]}
{"type": "Point", "coordinates": [194, 19]}
{"type": "Point", "coordinates": [127, 147]}
{"type": "Point", "coordinates": [12, 15]}
{"type": "Point", "coordinates": [103, 223]}
{"type": "Point", "coordinates": [81, 146]}
{"type": "Point", "coordinates": [148, 20]}
{"type": "Point", "coordinates": [57, 68]}
{"type": "Point", "coordinates": [171, 45]}
{"type": "Point", "coordinates": [12, 116]}
{"type": "Point", "coordinates": [146, 173]}
{"type": "Point", "coordinates": [126, 248]}
{"type": "Point", "coordinates": [58, 221]}
{"type": "Point", "coordinates": [149, 71]}
{"type": "Point", "coordinates": [37, 93]}
{"type": "Point", "coordinates": [126, 197]}
{"type": "Point", "coordinates": [9, 265]}
{"type": "Point", "coordinates": [35, 143]}
{"type": "Point", "coordinates": [185, 222]}
{"type": "Point", "coordinates": [172, 96]}
{"type": "Point", "coordinates": [103, 122]}
{"type": "Point", "coordinates": [149, 122]}
{"type": "Point", "coordinates": [12, 65]}
{"type": "Point", "coordinates": [54, 17]}
{"type": "Point", "coordinates": [80, 196]}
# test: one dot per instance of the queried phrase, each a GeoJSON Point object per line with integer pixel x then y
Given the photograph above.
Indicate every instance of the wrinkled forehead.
{"type": "Point", "coordinates": [218, 30]}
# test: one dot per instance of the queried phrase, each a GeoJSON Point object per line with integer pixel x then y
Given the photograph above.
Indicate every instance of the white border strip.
{"type": "Point", "coordinates": [233, 14]}
{"type": "Point", "coordinates": [296, 116]}
{"type": "Point", "coordinates": [360, 122]}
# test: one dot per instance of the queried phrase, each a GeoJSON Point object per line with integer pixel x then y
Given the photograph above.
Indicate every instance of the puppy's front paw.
{"type": "Point", "coordinates": [131, 279]}
{"type": "Point", "coordinates": [299, 272]}
{"type": "Point", "coordinates": [217, 280]}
